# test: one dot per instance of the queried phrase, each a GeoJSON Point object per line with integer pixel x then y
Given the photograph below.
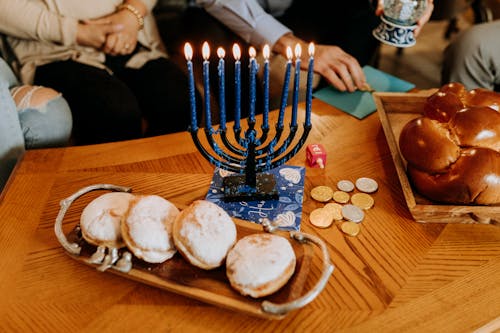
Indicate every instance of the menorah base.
{"type": "Point", "coordinates": [236, 189]}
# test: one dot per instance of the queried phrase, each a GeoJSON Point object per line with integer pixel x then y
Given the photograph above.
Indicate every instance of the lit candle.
{"type": "Point", "coordinates": [237, 86]}
{"type": "Point", "coordinates": [298, 53]}
{"type": "Point", "coordinates": [222, 94]}
{"type": "Point", "coordinates": [309, 84]}
{"type": "Point", "coordinates": [188, 52]}
{"type": "Point", "coordinates": [206, 84]}
{"type": "Point", "coordinates": [253, 72]}
{"type": "Point", "coordinates": [284, 94]}
{"type": "Point", "coordinates": [266, 52]}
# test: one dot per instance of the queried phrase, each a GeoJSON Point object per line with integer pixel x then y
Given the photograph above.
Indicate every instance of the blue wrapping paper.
{"type": "Point", "coordinates": [285, 212]}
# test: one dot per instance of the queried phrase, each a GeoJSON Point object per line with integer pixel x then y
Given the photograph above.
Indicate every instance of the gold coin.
{"type": "Point", "coordinates": [341, 196]}
{"type": "Point", "coordinates": [362, 200]}
{"type": "Point", "coordinates": [334, 209]}
{"type": "Point", "coordinates": [322, 193]}
{"type": "Point", "coordinates": [320, 218]}
{"type": "Point", "coordinates": [350, 228]}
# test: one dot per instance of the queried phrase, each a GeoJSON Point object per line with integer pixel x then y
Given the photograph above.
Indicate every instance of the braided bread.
{"type": "Point", "coordinates": [453, 150]}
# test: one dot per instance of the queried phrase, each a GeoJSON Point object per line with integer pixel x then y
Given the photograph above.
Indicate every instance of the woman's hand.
{"type": "Point", "coordinates": [95, 35]}
{"type": "Point", "coordinates": [124, 41]}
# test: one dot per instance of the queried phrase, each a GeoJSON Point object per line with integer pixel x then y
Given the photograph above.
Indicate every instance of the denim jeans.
{"type": "Point", "coordinates": [48, 125]}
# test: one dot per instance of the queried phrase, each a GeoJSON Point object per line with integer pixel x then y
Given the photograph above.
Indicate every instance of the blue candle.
{"type": "Point", "coordinates": [298, 53]}
{"type": "Point", "coordinates": [309, 85]}
{"type": "Point", "coordinates": [222, 94]}
{"type": "Point", "coordinates": [188, 52]}
{"type": "Point", "coordinates": [237, 86]}
{"type": "Point", "coordinates": [253, 74]}
{"type": "Point", "coordinates": [284, 93]}
{"type": "Point", "coordinates": [265, 121]}
{"type": "Point", "coordinates": [206, 84]}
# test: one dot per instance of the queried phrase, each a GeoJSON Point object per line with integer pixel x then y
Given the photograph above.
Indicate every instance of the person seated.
{"type": "Point", "coordinates": [30, 117]}
{"type": "Point", "coordinates": [473, 57]}
{"type": "Point", "coordinates": [343, 36]}
{"type": "Point", "coordinates": [108, 61]}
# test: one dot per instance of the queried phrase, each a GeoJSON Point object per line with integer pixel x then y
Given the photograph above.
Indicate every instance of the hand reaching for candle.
{"type": "Point", "coordinates": [339, 68]}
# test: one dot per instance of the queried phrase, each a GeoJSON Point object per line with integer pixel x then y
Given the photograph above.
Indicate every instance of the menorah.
{"type": "Point", "coordinates": [249, 153]}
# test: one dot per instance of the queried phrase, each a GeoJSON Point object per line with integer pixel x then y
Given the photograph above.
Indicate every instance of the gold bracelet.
{"type": "Point", "coordinates": [133, 10]}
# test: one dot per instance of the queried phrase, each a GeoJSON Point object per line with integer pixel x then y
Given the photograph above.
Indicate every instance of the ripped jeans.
{"type": "Point", "coordinates": [23, 127]}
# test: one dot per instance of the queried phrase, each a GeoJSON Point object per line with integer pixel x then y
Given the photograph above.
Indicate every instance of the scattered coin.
{"type": "Point", "coordinates": [341, 196]}
{"type": "Point", "coordinates": [345, 185]}
{"type": "Point", "coordinates": [353, 213]}
{"type": "Point", "coordinates": [362, 200]}
{"type": "Point", "coordinates": [334, 209]}
{"type": "Point", "coordinates": [350, 228]}
{"type": "Point", "coordinates": [367, 185]}
{"type": "Point", "coordinates": [320, 218]}
{"type": "Point", "coordinates": [322, 193]}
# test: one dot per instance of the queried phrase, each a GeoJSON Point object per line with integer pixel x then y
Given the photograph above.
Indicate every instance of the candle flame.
{"type": "Point", "coordinates": [188, 51]}
{"type": "Point", "coordinates": [205, 51]}
{"type": "Point", "coordinates": [289, 53]}
{"type": "Point", "coordinates": [236, 52]}
{"type": "Point", "coordinates": [298, 51]}
{"type": "Point", "coordinates": [266, 52]}
{"type": "Point", "coordinates": [221, 53]}
{"type": "Point", "coordinates": [311, 49]}
{"type": "Point", "coordinates": [251, 52]}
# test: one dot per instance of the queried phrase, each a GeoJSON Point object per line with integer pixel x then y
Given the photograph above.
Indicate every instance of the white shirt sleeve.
{"type": "Point", "coordinates": [247, 19]}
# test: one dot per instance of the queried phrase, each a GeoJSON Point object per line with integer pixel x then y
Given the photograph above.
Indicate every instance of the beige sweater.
{"type": "Point", "coordinates": [44, 31]}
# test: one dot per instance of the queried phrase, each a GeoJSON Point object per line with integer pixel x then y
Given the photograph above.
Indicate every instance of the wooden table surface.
{"type": "Point", "coordinates": [397, 275]}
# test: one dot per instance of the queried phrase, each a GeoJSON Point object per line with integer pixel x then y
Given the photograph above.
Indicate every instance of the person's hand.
{"type": "Point", "coordinates": [426, 16]}
{"type": "Point", "coordinates": [95, 35]}
{"type": "Point", "coordinates": [124, 41]}
{"type": "Point", "coordinates": [339, 68]}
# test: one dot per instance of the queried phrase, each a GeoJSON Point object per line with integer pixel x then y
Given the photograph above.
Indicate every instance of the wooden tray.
{"type": "Point", "coordinates": [178, 276]}
{"type": "Point", "coordinates": [395, 110]}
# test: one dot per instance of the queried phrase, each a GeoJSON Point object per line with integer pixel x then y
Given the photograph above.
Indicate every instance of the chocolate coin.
{"type": "Point", "coordinates": [350, 228]}
{"type": "Point", "coordinates": [320, 218]}
{"type": "Point", "coordinates": [353, 213]}
{"type": "Point", "coordinates": [334, 209]}
{"type": "Point", "coordinates": [367, 185]}
{"type": "Point", "coordinates": [322, 193]}
{"type": "Point", "coordinates": [362, 200]}
{"type": "Point", "coordinates": [341, 196]}
{"type": "Point", "coordinates": [345, 185]}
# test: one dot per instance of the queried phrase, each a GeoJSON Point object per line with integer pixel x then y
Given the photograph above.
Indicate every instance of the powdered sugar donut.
{"type": "Point", "coordinates": [101, 218]}
{"type": "Point", "coordinates": [147, 228]}
{"type": "Point", "coordinates": [260, 264]}
{"type": "Point", "coordinates": [203, 233]}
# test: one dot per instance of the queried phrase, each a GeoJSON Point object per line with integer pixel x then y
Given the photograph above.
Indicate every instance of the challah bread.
{"type": "Point", "coordinates": [453, 149]}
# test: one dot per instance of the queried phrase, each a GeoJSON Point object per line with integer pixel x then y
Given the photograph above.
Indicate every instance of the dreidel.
{"type": "Point", "coordinates": [316, 155]}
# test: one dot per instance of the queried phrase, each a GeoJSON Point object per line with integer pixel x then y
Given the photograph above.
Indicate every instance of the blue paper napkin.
{"type": "Point", "coordinates": [360, 103]}
{"type": "Point", "coordinates": [286, 212]}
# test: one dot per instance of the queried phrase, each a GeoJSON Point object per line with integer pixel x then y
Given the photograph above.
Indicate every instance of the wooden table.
{"type": "Point", "coordinates": [396, 276]}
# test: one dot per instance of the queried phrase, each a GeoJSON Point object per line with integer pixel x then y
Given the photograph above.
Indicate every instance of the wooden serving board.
{"type": "Point", "coordinates": [178, 276]}
{"type": "Point", "coordinates": [395, 110]}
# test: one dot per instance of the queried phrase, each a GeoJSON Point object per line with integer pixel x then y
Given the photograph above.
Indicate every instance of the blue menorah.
{"type": "Point", "coordinates": [249, 153]}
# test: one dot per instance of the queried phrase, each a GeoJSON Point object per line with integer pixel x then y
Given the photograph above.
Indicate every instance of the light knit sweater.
{"type": "Point", "coordinates": [44, 31]}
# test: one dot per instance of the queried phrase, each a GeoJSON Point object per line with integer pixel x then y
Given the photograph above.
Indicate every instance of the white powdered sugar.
{"type": "Point", "coordinates": [259, 258]}
{"type": "Point", "coordinates": [150, 222]}
{"type": "Point", "coordinates": [209, 231]}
